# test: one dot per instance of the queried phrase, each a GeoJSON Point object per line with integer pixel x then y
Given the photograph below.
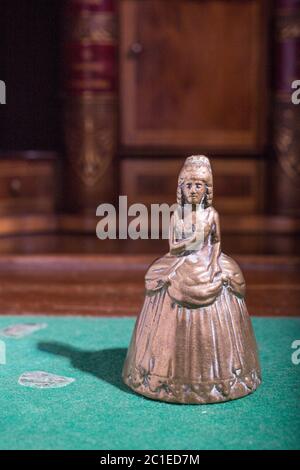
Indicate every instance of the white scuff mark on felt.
{"type": "Point", "coordinates": [41, 379]}
{"type": "Point", "coordinates": [19, 330]}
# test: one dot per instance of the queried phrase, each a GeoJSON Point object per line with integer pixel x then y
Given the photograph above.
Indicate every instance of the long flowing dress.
{"type": "Point", "coordinates": [193, 340]}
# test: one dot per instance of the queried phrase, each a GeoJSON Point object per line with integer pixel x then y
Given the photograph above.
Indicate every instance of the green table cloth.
{"type": "Point", "coordinates": [97, 411]}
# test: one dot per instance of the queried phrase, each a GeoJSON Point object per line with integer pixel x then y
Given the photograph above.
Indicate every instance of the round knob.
{"type": "Point", "coordinates": [135, 49]}
{"type": "Point", "coordinates": [15, 187]}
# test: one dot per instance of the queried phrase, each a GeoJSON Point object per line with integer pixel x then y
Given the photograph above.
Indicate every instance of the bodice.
{"type": "Point", "coordinates": [199, 223]}
{"type": "Point", "coordinates": [193, 278]}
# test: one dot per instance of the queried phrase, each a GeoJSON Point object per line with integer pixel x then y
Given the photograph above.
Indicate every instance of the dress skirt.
{"type": "Point", "coordinates": [193, 355]}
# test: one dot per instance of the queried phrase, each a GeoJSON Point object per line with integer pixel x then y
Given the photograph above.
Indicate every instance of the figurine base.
{"type": "Point", "coordinates": [195, 393]}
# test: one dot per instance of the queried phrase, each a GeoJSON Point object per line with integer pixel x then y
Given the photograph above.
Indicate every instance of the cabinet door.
{"type": "Point", "coordinates": [192, 74]}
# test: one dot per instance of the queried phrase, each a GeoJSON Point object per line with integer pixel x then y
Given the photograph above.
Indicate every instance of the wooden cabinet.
{"type": "Point", "coordinates": [237, 183]}
{"type": "Point", "coordinates": [193, 74]}
{"type": "Point", "coordinates": [27, 187]}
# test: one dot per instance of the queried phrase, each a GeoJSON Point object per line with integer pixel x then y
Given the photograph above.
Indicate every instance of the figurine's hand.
{"type": "Point", "coordinates": [177, 250]}
{"type": "Point", "coordinates": [183, 245]}
{"type": "Point", "coordinates": [189, 245]}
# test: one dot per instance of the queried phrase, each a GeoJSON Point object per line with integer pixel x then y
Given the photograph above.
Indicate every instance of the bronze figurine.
{"type": "Point", "coordinates": [193, 341]}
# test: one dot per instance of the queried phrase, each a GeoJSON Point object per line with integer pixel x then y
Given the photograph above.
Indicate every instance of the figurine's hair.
{"type": "Point", "coordinates": [197, 165]}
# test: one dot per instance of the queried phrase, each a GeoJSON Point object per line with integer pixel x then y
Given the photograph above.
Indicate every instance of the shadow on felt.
{"type": "Point", "coordinates": [105, 364]}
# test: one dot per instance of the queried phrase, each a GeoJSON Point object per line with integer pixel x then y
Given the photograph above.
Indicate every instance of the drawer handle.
{"type": "Point", "coordinates": [15, 187]}
{"type": "Point", "coordinates": [135, 50]}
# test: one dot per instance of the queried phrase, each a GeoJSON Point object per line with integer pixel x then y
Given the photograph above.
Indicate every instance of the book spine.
{"type": "Point", "coordinates": [90, 88]}
{"type": "Point", "coordinates": [286, 123]}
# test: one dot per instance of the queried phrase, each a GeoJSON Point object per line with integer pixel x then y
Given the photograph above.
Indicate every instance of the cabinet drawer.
{"type": "Point", "coordinates": [238, 183]}
{"type": "Point", "coordinates": [27, 186]}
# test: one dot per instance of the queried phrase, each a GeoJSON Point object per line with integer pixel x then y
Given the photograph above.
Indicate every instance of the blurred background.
{"type": "Point", "coordinates": [107, 97]}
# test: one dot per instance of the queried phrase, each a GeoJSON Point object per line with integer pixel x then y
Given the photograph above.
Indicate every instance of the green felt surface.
{"type": "Point", "coordinates": [98, 412]}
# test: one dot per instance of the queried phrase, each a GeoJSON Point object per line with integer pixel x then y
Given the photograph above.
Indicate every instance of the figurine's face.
{"type": "Point", "coordinates": [193, 190]}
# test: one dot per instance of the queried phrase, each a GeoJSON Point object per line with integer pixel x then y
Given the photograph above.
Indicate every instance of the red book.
{"type": "Point", "coordinates": [89, 84]}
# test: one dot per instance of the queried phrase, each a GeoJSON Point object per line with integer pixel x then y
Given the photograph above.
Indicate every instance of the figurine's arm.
{"type": "Point", "coordinates": [177, 247]}
{"type": "Point", "coordinates": [216, 246]}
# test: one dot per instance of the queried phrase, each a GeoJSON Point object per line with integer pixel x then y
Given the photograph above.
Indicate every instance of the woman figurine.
{"type": "Point", "coordinates": [193, 340]}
